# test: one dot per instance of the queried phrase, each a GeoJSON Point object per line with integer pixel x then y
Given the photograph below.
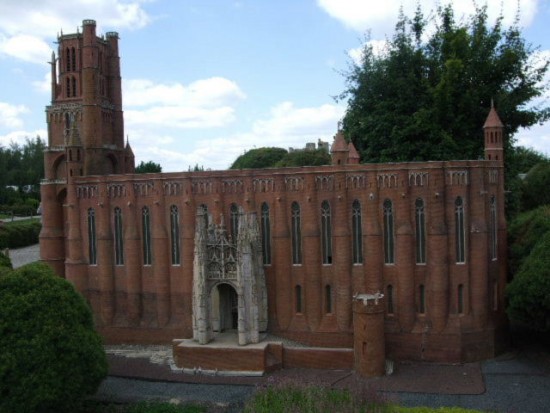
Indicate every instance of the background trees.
{"type": "Point", "coordinates": [279, 157]}
{"type": "Point", "coordinates": [428, 95]}
{"type": "Point", "coordinates": [148, 167]}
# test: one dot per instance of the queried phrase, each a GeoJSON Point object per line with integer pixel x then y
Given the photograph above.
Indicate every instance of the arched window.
{"type": "Point", "coordinates": [460, 236]}
{"type": "Point", "coordinates": [266, 234]}
{"type": "Point", "coordinates": [146, 236]}
{"type": "Point", "coordinates": [389, 257]}
{"type": "Point", "coordinates": [298, 298]}
{"type": "Point", "coordinates": [328, 299]}
{"type": "Point", "coordinates": [119, 239]}
{"type": "Point", "coordinates": [92, 240]}
{"type": "Point", "coordinates": [175, 234]}
{"type": "Point", "coordinates": [73, 81]}
{"type": "Point", "coordinates": [68, 59]}
{"type": "Point", "coordinates": [493, 228]}
{"type": "Point", "coordinates": [389, 293]}
{"type": "Point", "coordinates": [356, 233]}
{"type": "Point", "coordinates": [421, 299]}
{"type": "Point", "coordinates": [460, 299]}
{"type": "Point", "coordinates": [420, 233]}
{"type": "Point", "coordinates": [326, 233]}
{"type": "Point", "coordinates": [203, 209]}
{"type": "Point", "coordinates": [234, 221]}
{"type": "Point", "coordinates": [68, 86]}
{"type": "Point", "coordinates": [73, 59]}
{"type": "Point", "coordinates": [296, 234]}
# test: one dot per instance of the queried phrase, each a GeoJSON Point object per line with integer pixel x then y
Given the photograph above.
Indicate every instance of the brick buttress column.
{"type": "Point", "coordinates": [75, 265]}
{"type": "Point", "coordinates": [311, 253]}
{"type": "Point", "coordinates": [368, 335]}
{"type": "Point", "coordinates": [133, 260]}
{"type": "Point", "coordinates": [280, 304]}
{"type": "Point", "coordinates": [161, 258]}
{"type": "Point", "coordinates": [476, 212]}
{"type": "Point", "coordinates": [52, 236]}
{"type": "Point", "coordinates": [437, 256]}
{"type": "Point", "coordinates": [373, 239]}
{"type": "Point", "coordinates": [404, 258]}
{"type": "Point", "coordinates": [182, 299]}
{"type": "Point", "coordinates": [105, 256]}
{"type": "Point", "coordinates": [342, 254]}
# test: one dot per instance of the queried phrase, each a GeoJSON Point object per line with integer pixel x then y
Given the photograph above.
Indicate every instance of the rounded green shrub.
{"type": "Point", "coordinates": [51, 357]}
{"type": "Point", "coordinates": [529, 291]}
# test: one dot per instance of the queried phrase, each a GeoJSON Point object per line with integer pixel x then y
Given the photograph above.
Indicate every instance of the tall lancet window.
{"type": "Point", "coordinates": [356, 232]}
{"type": "Point", "coordinates": [493, 229]}
{"type": "Point", "coordinates": [92, 238]}
{"type": "Point", "coordinates": [175, 235]}
{"type": "Point", "coordinates": [420, 231]}
{"type": "Point", "coordinates": [460, 236]}
{"type": "Point", "coordinates": [119, 239]}
{"type": "Point", "coordinates": [326, 233]}
{"type": "Point", "coordinates": [389, 242]}
{"type": "Point", "coordinates": [266, 234]}
{"type": "Point", "coordinates": [146, 236]}
{"type": "Point", "coordinates": [234, 221]}
{"type": "Point", "coordinates": [296, 234]}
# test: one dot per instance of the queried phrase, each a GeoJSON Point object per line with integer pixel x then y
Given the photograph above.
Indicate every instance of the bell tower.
{"type": "Point", "coordinates": [85, 127]}
{"type": "Point", "coordinates": [493, 131]}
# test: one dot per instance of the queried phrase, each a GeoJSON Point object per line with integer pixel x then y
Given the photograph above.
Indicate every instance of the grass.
{"type": "Point", "coordinates": [313, 399]}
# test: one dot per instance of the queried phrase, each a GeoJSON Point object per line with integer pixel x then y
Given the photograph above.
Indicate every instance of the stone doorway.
{"type": "Point", "coordinates": [228, 307]}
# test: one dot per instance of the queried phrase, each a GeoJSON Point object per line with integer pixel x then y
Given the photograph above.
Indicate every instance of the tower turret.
{"type": "Point", "coordinates": [493, 131]}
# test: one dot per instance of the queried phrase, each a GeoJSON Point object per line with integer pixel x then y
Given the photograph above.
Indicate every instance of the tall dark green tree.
{"type": "Point", "coordinates": [148, 167]}
{"type": "Point", "coordinates": [427, 96]}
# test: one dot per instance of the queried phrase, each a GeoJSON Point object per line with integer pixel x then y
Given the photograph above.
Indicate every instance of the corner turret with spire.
{"type": "Point", "coordinates": [493, 131]}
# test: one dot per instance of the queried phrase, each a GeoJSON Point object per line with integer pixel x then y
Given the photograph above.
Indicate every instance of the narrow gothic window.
{"type": "Point", "coordinates": [328, 299]}
{"type": "Point", "coordinates": [298, 297]}
{"type": "Point", "coordinates": [204, 210]}
{"type": "Point", "coordinates": [326, 233]}
{"type": "Point", "coordinates": [389, 291]}
{"type": "Point", "coordinates": [460, 299]}
{"type": "Point", "coordinates": [92, 243]}
{"type": "Point", "coordinates": [421, 299]}
{"type": "Point", "coordinates": [234, 221]}
{"type": "Point", "coordinates": [73, 59]}
{"type": "Point", "coordinates": [494, 238]}
{"type": "Point", "coordinates": [175, 234]}
{"type": "Point", "coordinates": [68, 86]}
{"type": "Point", "coordinates": [296, 234]}
{"type": "Point", "coordinates": [357, 232]}
{"type": "Point", "coordinates": [68, 59]}
{"type": "Point", "coordinates": [460, 240]}
{"type": "Point", "coordinates": [420, 233]}
{"type": "Point", "coordinates": [146, 234]}
{"type": "Point", "coordinates": [73, 80]}
{"type": "Point", "coordinates": [119, 240]}
{"type": "Point", "coordinates": [388, 233]}
{"type": "Point", "coordinates": [266, 234]}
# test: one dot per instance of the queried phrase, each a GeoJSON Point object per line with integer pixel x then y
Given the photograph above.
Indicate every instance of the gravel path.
{"type": "Point", "coordinates": [22, 256]}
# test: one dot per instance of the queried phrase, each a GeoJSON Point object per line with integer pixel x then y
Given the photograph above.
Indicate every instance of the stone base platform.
{"type": "Point", "coordinates": [224, 356]}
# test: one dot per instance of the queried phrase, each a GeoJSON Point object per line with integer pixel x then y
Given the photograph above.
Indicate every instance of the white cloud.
{"type": "Point", "coordinates": [361, 15]}
{"type": "Point", "coordinates": [286, 126]}
{"type": "Point", "coordinates": [205, 103]}
{"type": "Point", "coordinates": [211, 92]}
{"type": "Point", "coordinates": [44, 85]}
{"type": "Point", "coordinates": [25, 47]}
{"type": "Point", "coordinates": [26, 25]}
{"type": "Point", "coordinates": [379, 47]}
{"type": "Point", "coordinates": [9, 115]}
{"type": "Point", "coordinates": [19, 137]}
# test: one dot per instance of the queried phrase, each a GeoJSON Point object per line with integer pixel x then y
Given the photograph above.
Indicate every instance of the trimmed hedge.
{"type": "Point", "coordinates": [51, 356]}
{"type": "Point", "coordinates": [19, 234]}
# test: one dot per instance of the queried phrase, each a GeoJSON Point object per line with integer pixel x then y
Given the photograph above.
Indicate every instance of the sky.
{"type": "Point", "coordinates": [206, 80]}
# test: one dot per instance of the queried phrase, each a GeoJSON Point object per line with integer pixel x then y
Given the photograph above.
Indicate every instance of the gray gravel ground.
{"type": "Point", "coordinates": [22, 256]}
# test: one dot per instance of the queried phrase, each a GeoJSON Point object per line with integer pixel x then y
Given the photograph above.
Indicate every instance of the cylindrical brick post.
{"type": "Point", "coordinates": [369, 342]}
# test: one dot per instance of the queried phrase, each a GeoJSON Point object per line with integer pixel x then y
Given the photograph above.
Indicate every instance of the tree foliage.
{"type": "Point", "coordinates": [529, 291]}
{"type": "Point", "coordinates": [535, 186]}
{"type": "Point", "coordinates": [21, 170]}
{"type": "Point", "coordinates": [279, 157]}
{"type": "Point", "coordinates": [148, 167]}
{"type": "Point", "coordinates": [427, 96]}
{"type": "Point", "coordinates": [259, 158]}
{"type": "Point", "coordinates": [51, 356]}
